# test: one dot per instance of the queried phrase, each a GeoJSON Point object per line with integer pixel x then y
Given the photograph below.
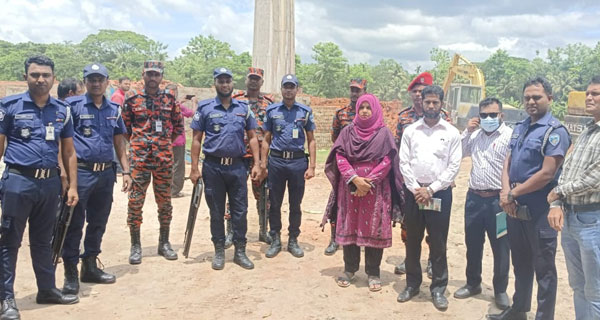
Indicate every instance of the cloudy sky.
{"type": "Point", "coordinates": [366, 30]}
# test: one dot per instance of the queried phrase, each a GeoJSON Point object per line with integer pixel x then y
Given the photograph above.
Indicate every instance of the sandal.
{"type": "Point", "coordinates": [374, 284]}
{"type": "Point", "coordinates": [345, 280]}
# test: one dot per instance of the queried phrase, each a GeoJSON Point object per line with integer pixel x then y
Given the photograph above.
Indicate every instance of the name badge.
{"type": "Point", "coordinates": [295, 133]}
{"type": "Point", "coordinates": [24, 117]}
{"type": "Point", "coordinates": [278, 116]}
{"type": "Point", "coordinates": [86, 116]}
{"type": "Point", "coordinates": [215, 115]}
{"type": "Point", "coordinates": [50, 132]}
{"type": "Point", "coordinates": [158, 125]}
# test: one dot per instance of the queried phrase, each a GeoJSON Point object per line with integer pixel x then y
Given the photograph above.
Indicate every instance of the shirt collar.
{"type": "Point", "coordinates": [543, 121]}
{"type": "Point", "coordinates": [89, 100]}
{"type": "Point", "coordinates": [218, 102]}
{"type": "Point", "coordinates": [421, 123]}
{"type": "Point", "coordinates": [27, 98]}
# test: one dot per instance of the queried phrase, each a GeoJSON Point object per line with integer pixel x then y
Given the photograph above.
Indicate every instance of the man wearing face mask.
{"type": "Point", "coordinates": [485, 140]}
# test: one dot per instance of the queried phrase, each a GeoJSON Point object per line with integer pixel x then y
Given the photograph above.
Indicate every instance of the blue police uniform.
{"type": "Point", "coordinates": [223, 170]}
{"type": "Point", "coordinates": [30, 187]}
{"type": "Point", "coordinates": [94, 130]}
{"type": "Point", "coordinates": [533, 242]}
{"type": "Point", "coordinates": [287, 161]}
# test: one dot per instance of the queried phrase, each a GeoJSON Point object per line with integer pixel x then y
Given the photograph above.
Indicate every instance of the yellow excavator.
{"type": "Point", "coordinates": [462, 99]}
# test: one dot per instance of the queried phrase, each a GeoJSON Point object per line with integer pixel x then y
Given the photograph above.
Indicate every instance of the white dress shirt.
{"type": "Point", "coordinates": [487, 153]}
{"type": "Point", "coordinates": [430, 155]}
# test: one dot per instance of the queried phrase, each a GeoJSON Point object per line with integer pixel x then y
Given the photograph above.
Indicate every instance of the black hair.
{"type": "Point", "coordinates": [67, 85]}
{"type": "Point", "coordinates": [489, 101]}
{"type": "Point", "coordinates": [541, 81]}
{"type": "Point", "coordinates": [595, 80]}
{"type": "Point", "coordinates": [430, 90]}
{"type": "Point", "coordinates": [39, 59]}
{"type": "Point", "coordinates": [121, 79]}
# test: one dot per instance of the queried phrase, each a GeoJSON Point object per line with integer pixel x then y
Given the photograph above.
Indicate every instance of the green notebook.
{"type": "Point", "coordinates": [501, 228]}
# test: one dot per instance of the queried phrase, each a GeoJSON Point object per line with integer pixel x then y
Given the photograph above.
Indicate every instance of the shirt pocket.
{"type": "Point", "coordinates": [279, 126]}
{"type": "Point", "coordinates": [216, 125]}
{"type": "Point", "coordinates": [24, 128]}
{"type": "Point", "coordinates": [531, 151]}
{"type": "Point", "coordinates": [239, 122]}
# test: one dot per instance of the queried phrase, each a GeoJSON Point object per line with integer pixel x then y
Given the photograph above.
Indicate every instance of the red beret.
{"type": "Point", "coordinates": [424, 78]}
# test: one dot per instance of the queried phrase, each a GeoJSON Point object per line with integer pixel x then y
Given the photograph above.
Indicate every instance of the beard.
{"type": "Point", "coordinates": [431, 114]}
{"type": "Point", "coordinates": [224, 94]}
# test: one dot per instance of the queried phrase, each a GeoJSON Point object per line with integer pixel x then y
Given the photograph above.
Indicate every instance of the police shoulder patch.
{"type": "Point", "coordinates": [197, 116]}
{"type": "Point", "coordinates": [554, 139]}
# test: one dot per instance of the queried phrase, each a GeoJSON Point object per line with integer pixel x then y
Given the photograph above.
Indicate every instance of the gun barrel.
{"type": "Point", "coordinates": [193, 213]}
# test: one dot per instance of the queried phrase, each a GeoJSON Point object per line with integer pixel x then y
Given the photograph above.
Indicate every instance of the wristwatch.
{"type": "Point", "coordinates": [126, 173]}
{"type": "Point", "coordinates": [510, 197]}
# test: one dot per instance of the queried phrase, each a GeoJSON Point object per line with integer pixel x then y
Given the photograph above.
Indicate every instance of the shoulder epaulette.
{"type": "Point", "coordinates": [74, 99]}
{"type": "Point", "coordinates": [10, 99]}
{"type": "Point", "coordinates": [238, 94]}
{"type": "Point", "coordinates": [405, 110]}
{"type": "Point", "coordinates": [132, 93]}
{"type": "Point", "coordinates": [274, 105]}
{"type": "Point", "coordinates": [204, 103]}
{"type": "Point", "coordinates": [269, 98]}
{"type": "Point", "coordinates": [305, 107]}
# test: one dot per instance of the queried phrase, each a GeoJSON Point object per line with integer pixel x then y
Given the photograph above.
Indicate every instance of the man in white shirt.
{"type": "Point", "coordinates": [485, 140]}
{"type": "Point", "coordinates": [430, 155]}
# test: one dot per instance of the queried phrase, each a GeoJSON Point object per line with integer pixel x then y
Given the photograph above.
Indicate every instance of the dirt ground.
{"type": "Point", "coordinates": [280, 288]}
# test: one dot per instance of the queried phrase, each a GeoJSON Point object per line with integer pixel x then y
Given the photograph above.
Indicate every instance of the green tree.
{"type": "Point", "coordinates": [331, 70]}
{"type": "Point", "coordinates": [390, 80]}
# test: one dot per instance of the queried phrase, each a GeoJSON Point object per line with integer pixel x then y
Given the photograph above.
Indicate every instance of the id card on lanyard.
{"type": "Point", "coordinates": [50, 132]}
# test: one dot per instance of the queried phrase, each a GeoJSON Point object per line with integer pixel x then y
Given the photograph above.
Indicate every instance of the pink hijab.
{"type": "Point", "coordinates": [366, 127]}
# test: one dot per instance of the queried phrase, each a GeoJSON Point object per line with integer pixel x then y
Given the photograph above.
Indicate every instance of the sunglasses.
{"type": "Point", "coordinates": [484, 115]}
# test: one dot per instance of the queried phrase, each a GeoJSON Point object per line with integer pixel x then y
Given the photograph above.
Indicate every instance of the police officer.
{"type": "Point", "coordinates": [33, 124]}
{"type": "Point", "coordinates": [98, 129]}
{"type": "Point", "coordinates": [224, 120]}
{"type": "Point", "coordinates": [343, 117]}
{"type": "Point", "coordinates": [153, 121]}
{"type": "Point", "coordinates": [286, 126]}
{"type": "Point", "coordinates": [537, 149]}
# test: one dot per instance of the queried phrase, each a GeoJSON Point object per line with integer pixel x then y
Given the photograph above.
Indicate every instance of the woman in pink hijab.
{"type": "Point", "coordinates": [364, 171]}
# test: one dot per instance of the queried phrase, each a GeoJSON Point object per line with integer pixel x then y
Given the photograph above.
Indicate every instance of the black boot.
{"type": "Point", "coordinates": [218, 262]}
{"type": "Point", "coordinates": [92, 274]}
{"type": "Point", "coordinates": [54, 296]}
{"type": "Point", "coordinates": [294, 248]}
{"type": "Point", "coordinates": [135, 257]}
{"type": "Point", "coordinates": [164, 246]}
{"type": "Point", "coordinates": [333, 246]}
{"type": "Point", "coordinates": [228, 235]}
{"type": "Point", "coordinates": [9, 310]}
{"type": "Point", "coordinates": [275, 246]}
{"type": "Point", "coordinates": [71, 285]}
{"type": "Point", "coordinates": [240, 257]}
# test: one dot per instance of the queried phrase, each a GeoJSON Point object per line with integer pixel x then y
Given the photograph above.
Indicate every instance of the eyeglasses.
{"type": "Point", "coordinates": [484, 115]}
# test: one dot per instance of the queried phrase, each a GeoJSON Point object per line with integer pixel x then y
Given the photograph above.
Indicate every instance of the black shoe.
{"type": "Point", "coordinates": [9, 310]}
{"type": "Point", "coordinates": [92, 274]}
{"type": "Point", "coordinates": [439, 301]}
{"type": "Point", "coordinates": [264, 237]}
{"type": "Point", "coordinates": [508, 314]}
{"type": "Point", "coordinates": [275, 246]}
{"type": "Point", "coordinates": [502, 301]}
{"type": "Point", "coordinates": [218, 262]}
{"type": "Point", "coordinates": [54, 296]}
{"type": "Point", "coordinates": [407, 294]}
{"type": "Point", "coordinates": [429, 270]}
{"type": "Point", "coordinates": [240, 257]}
{"type": "Point", "coordinates": [71, 285]}
{"type": "Point", "coordinates": [401, 268]}
{"type": "Point", "coordinates": [333, 246]}
{"type": "Point", "coordinates": [135, 256]}
{"type": "Point", "coordinates": [467, 291]}
{"type": "Point", "coordinates": [294, 248]}
{"type": "Point", "coordinates": [164, 246]}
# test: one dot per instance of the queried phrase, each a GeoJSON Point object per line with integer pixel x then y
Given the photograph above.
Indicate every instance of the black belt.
{"type": "Point", "coordinates": [485, 193]}
{"type": "Point", "coordinates": [95, 166]}
{"type": "Point", "coordinates": [37, 173]}
{"type": "Point", "coordinates": [288, 154]}
{"type": "Point", "coordinates": [582, 207]}
{"type": "Point", "coordinates": [224, 161]}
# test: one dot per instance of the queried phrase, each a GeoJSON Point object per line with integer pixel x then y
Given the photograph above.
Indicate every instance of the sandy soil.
{"type": "Point", "coordinates": [280, 288]}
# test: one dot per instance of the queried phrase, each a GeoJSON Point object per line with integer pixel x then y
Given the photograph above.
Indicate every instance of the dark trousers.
{"type": "Point", "coordinates": [282, 172]}
{"type": "Point", "coordinates": [480, 218]}
{"type": "Point", "coordinates": [178, 169]}
{"type": "Point", "coordinates": [219, 181]}
{"type": "Point", "coordinates": [533, 250]}
{"type": "Point", "coordinates": [437, 224]}
{"type": "Point", "coordinates": [95, 190]}
{"type": "Point", "coordinates": [28, 199]}
{"type": "Point", "coordinates": [372, 259]}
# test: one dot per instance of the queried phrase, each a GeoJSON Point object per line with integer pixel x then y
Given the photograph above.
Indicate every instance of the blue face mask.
{"type": "Point", "coordinates": [490, 124]}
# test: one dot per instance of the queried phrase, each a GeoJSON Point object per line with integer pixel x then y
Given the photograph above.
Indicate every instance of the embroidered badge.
{"type": "Point", "coordinates": [554, 139]}
{"type": "Point", "coordinates": [2, 113]}
{"type": "Point", "coordinates": [25, 133]}
{"type": "Point", "coordinates": [87, 131]}
{"type": "Point", "coordinates": [196, 116]}
{"type": "Point", "coordinates": [217, 128]}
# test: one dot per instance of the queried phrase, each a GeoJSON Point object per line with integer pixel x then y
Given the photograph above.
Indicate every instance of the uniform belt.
{"type": "Point", "coordinates": [485, 193]}
{"type": "Point", "coordinates": [224, 161]}
{"type": "Point", "coordinates": [287, 154]}
{"type": "Point", "coordinates": [95, 166]}
{"type": "Point", "coordinates": [38, 173]}
{"type": "Point", "coordinates": [424, 185]}
{"type": "Point", "coordinates": [582, 207]}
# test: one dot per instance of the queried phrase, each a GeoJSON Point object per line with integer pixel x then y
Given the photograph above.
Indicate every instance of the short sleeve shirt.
{"type": "Point", "coordinates": [288, 126]}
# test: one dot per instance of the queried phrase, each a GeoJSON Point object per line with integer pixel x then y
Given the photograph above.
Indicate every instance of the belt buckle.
{"type": "Point", "coordinates": [226, 161]}
{"type": "Point", "coordinates": [287, 155]}
{"type": "Point", "coordinates": [41, 173]}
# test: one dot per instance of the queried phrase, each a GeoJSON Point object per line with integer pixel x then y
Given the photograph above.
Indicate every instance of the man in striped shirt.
{"type": "Point", "coordinates": [575, 209]}
{"type": "Point", "coordinates": [486, 141]}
